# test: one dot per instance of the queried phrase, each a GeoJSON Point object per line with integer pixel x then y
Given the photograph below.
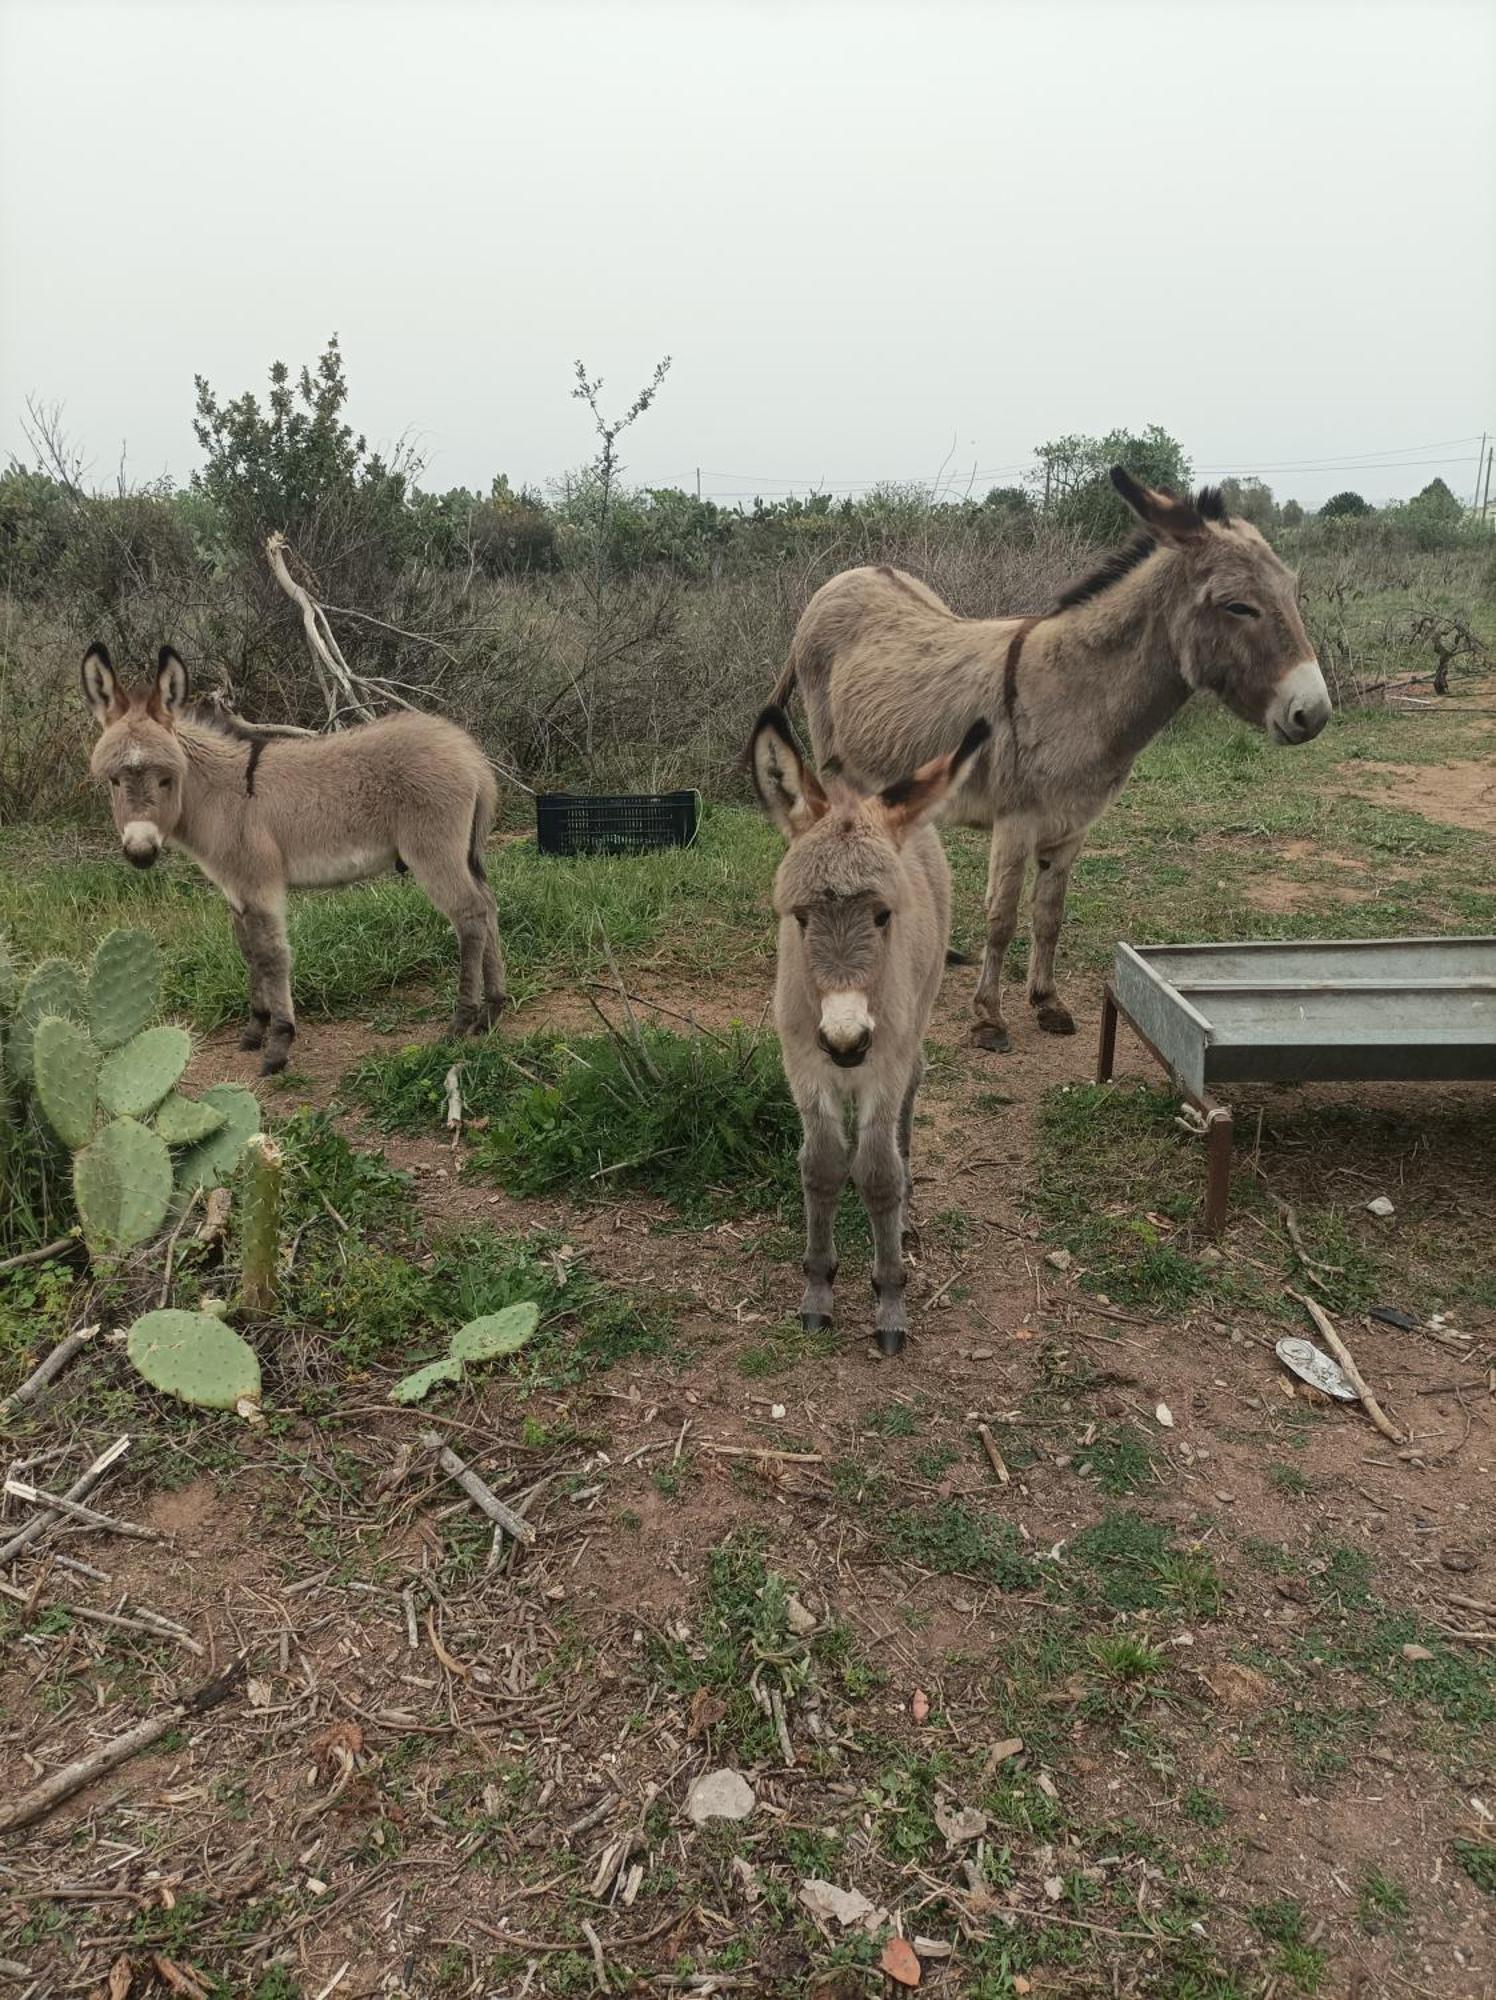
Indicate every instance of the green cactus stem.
{"type": "Point", "coordinates": [260, 1176]}
{"type": "Point", "coordinates": [122, 1186]}
{"type": "Point", "coordinates": [495, 1334]}
{"type": "Point", "coordinates": [65, 1069]}
{"type": "Point", "coordinates": [124, 987]}
{"type": "Point", "coordinates": [195, 1357]}
{"type": "Point", "coordinates": [10, 977]}
{"type": "Point", "coordinates": [135, 1078]}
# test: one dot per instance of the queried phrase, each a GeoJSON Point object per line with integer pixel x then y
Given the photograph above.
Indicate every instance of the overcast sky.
{"type": "Point", "coordinates": [878, 240]}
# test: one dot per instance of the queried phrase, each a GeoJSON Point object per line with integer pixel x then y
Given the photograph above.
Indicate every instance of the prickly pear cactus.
{"type": "Point", "coordinates": [53, 987]}
{"type": "Point", "coordinates": [212, 1161]}
{"type": "Point", "coordinates": [124, 987]}
{"type": "Point", "coordinates": [135, 1078]}
{"type": "Point", "coordinates": [495, 1334]}
{"type": "Point", "coordinates": [184, 1121]}
{"type": "Point", "coordinates": [65, 1071]}
{"type": "Point", "coordinates": [194, 1356]}
{"type": "Point", "coordinates": [259, 1219]}
{"type": "Point", "coordinates": [122, 1184]}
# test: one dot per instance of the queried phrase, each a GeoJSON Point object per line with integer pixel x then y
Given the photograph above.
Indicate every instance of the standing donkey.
{"type": "Point", "coordinates": [863, 896]}
{"type": "Point", "coordinates": [260, 812]}
{"type": "Point", "coordinates": [890, 676]}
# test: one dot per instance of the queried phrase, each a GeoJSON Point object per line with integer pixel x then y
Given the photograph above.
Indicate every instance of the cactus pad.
{"type": "Point", "coordinates": [195, 1357]}
{"type": "Point", "coordinates": [124, 987]}
{"type": "Point", "coordinates": [183, 1121]}
{"type": "Point", "coordinates": [53, 988]}
{"type": "Point", "coordinates": [138, 1076]}
{"type": "Point", "coordinates": [212, 1161]}
{"type": "Point", "coordinates": [66, 1072]}
{"type": "Point", "coordinates": [122, 1185]}
{"type": "Point", "coordinates": [495, 1334]}
{"type": "Point", "coordinates": [411, 1388]}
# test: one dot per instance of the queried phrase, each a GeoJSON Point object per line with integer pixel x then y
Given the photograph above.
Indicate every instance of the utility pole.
{"type": "Point", "coordinates": [1479, 462]}
{"type": "Point", "coordinates": [698, 484]}
{"type": "Point", "coordinates": [1486, 496]}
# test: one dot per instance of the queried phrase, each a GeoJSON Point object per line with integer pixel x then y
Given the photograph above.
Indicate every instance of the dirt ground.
{"type": "Point", "coordinates": [267, 1833]}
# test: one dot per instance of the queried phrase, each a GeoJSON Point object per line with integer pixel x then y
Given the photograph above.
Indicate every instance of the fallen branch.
{"type": "Point", "coordinates": [994, 1456]}
{"type": "Point", "coordinates": [39, 1256]}
{"type": "Point", "coordinates": [483, 1496]}
{"type": "Point", "coordinates": [149, 1622]}
{"type": "Point", "coordinates": [51, 1792]}
{"type": "Point", "coordinates": [36, 1496]}
{"type": "Point", "coordinates": [331, 669]}
{"type": "Point", "coordinates": [84, 1483]}
{"type": "Point", "coordinates": [1348, 1367]}
{"type": "Point", "coordinates": [762, 1451]}
{"type": "Point", "coordinates": [55, 1362]}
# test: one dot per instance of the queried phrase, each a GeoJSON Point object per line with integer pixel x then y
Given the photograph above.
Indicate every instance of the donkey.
{"type": "Point", "coordinates": [890, 676]}
{"type": "Point", "coordinates": [261, 811]}
{"type": "Point", "coordinates": [863, 896]}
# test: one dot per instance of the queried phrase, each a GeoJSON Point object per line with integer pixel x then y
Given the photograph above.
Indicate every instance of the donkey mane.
{"type": "Point", "coordinates": [1209, 503]}
{"type": "Point", "coordinates": [220, 721]}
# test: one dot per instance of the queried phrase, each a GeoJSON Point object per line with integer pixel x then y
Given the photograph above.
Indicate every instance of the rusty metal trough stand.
{"type": "Point", "coordinates": [1376, 1010]}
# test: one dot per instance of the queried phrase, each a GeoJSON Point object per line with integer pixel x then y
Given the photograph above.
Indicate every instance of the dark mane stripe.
{"type": "Point", "coordinates": [1210, 504]}
{"type": "Point", "coordinates": [1122, 562]}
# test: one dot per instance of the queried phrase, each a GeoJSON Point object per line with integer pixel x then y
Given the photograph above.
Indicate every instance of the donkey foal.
{"type": "Point", "coordinates": [260, 812]}
{"type": "Point", "coordinates": [863, 897]}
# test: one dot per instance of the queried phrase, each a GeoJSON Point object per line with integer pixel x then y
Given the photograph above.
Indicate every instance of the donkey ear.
{"type": "Point", "coordinates": [912, 800]}
{"type": "Point", "coordinates": [101, 689]}
{"type": "Point", "coordinates": [170, 692]}
{"type": "Point", "coordinates": [788, 789]}
{"type": "Point", "coordinates": [1171, 519]}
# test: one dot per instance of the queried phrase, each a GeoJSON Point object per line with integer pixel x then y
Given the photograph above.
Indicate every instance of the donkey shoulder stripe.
{"type": "Point", "coordinates": [256, 752]}
{"type": "Point", "coordinates": [1010, 665]}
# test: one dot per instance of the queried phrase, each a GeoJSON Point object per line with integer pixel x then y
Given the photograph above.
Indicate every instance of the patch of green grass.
{"type": "Point", "coordinates": [935, 1460]}
{"type": "Point", "coordinates": [1380, 1901]}
{"type": "Point", "coordinates": [955, 1540]}
{"type": "Point", "coordinates": [706, 1123]}
{"type": "Point", "coordinates": [1122, 1656]}
{"type": "Point", "coordinates": [1203, 1807]}
{"type": "Point", "coordinates": [1118, 1460]}
{"type": "Point", "coordinates": [1289, 1479]}
{"type": "Point", "coordinates": [1132, 1567]}
{"type": "Point", "coordinates": [784, 1347]}
{"type": "Point", "coordinates": [1478, 1859]}
{"type": "Point", "coordinates": [890, 1420]}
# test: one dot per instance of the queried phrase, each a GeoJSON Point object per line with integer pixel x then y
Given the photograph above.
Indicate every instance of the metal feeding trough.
{"type": "Point", "coordinates": [1385, 1010]}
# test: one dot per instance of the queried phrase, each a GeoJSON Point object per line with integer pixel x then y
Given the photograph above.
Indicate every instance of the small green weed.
{"type": "Point", "coordinates": [1380, 1902]}
{"type": "Point", "coordinates": [1478, 1859]}
{"type": "Point", "coordinates": [954, 1540]}
{"type": "Point", "coordinates": [1118, 1460]}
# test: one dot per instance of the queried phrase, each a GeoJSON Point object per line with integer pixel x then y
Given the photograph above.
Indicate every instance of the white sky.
{"type": "Point", "coordinates": [871, 236]}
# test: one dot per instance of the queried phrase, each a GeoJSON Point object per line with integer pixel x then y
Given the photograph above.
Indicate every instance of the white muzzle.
{"type": "Point", "coordinates": [846, 1030]}
{"type": "Point", "coordinates": [141, 842]}
{"type": "Point", "coordinates": [1301, 707]}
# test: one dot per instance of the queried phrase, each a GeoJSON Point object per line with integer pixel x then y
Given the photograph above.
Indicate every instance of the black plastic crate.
{"type": "Point", "coordinates": [571, 823]}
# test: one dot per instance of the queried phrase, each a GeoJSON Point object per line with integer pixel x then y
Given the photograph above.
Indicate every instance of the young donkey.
{"type": "Point", "coordinates": [891, 675]}
{"type": "Point", "coordinates": [260, 812]}
{"type": "Point", "coordinates": [863, 896]}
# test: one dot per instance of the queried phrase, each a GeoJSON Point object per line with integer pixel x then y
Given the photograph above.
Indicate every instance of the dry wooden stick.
{"type": "Point", "coordinates": [51, 1792]}
{"type": "Point", "coordinates": [484, 1496]}
{"type": "Point", "coordinates": [84, 1483]}
{"type": "Point", "coordinates": [149, 1622]}
{"type": "Point", "coordinates": [756, 1451]}
{"type": "Point", "coordinates": [328, 664]}
{"type": "Point", "coordinates": [52, 1367]}
{"type": "Point", "coordinates": [38, 1256]}
{"type": "Point", "coordinates": [1348, 1367]}
{"type": "Point", "coordinates": [36, 1496]}
{"type": "Point", "coordinates": [994, 1456]}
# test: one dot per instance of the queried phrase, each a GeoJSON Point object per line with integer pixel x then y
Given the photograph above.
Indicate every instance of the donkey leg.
{"type": "Point", "coordinates": [879, 1173]}
{"type": "Point", "coordinates": [259, 1009]}
{"type": "Point", "coordinates": [1005, 868]}
{"type": "Point", "coordinates": [823, 1175]}
{"type": "Point", "coordinates": [1050, 884]}
{"type": "Point", "coordinates": [468, 905]}
{"type": "Point", "coordinates": [495, 973]}
{"type": "Point", "coordinates": [268, 951]}
{"type": "Point", "coordinates": [906, 1131]}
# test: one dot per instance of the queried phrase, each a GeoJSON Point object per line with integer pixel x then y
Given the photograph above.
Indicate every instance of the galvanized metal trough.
{"type": "Point", "coordinates": [1386, 1010]}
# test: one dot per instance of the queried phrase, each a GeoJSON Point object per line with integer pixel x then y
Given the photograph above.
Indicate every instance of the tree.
{"type": "Point", "coordinates": [1292, 513]}
{"type": "Point", "coordinates": [1074, 481]}
{"type": "Point", "coordinates": [1250, 500]}
{"type": "Point", "coordinates": [1344, 506]}
{"type": "Point", "coordinates": [1437, 506]}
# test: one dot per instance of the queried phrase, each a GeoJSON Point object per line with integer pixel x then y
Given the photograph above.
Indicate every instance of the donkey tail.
{"type": "Point", "coordinates": [954, 957]}
{"type": "Point", "coordinates": [484, 807]}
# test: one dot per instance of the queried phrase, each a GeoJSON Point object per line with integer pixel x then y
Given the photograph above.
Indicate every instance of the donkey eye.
{"type": "Point", "coordinates": [881, 917]}
{"type": "Point", "coordinates": [165, 784]}
{"type": "Point", "coordinates": [801, 918]}
{"type": "Point", "coordinates": [1242, 610]}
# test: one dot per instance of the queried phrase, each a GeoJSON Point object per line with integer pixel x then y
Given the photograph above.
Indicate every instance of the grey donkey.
{"type": "Point", "coordinates": [262, 811]}
{"type": "Point", "coordinates": [863, 897]}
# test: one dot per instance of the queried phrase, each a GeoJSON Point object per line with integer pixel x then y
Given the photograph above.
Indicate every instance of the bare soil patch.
{"type": "Point", "coordinates": [1455, 794]}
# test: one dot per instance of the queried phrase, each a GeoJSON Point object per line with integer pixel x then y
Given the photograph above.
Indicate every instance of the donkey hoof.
{"type": "Point", "coordinates": [815, 1322]}
{"type": "Point", "coordinates": [462, 1023]}
{"type": "Point", "coordinates": [987, 1035]}
{"type": "Point", "coordinates": [891, 1339]}
{"type": "Point", "coordinates": [252, 1038]}
{"type": "Point", "coordinates": [1055, 1018]}
{"type": "Point", "coordinates": [272, 1065]}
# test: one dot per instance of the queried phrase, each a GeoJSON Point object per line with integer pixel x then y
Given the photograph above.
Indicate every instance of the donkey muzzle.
{"type": "Point", "coordinates": [1301, 706]}
{"type": "Point", "coordinates": [846, 1030]}
{"type": "Point", "coordinates": [846, 1055]}
{"type": "Point", "coordinates": [141, 842]}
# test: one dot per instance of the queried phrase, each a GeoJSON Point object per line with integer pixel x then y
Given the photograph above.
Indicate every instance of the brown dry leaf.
{"type": "Point", "coordinates": [339, 1741]}
{"type": "Point", "coordinates": [178, 1978]}
{"type": "Point", "coordinates": [899, 1962]}
{"type": "Point", "coordinates": [707, 1710]}
{"type": "Point", "coordinates": [121, 1978]}
{"type": "Point", "coordinates": [1022, 1985]}
{"type": "Point", "coordinates": [1237, 1687]}
{"type": "Point", "coordinates": [919, 1705]}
